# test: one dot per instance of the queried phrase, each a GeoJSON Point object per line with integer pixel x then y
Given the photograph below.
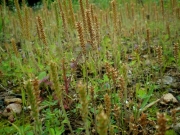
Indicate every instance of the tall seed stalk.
{"type": "Point", "coordinates": [58, 92]}
{"type": "Point", "coordinates": [84, 102]}
{"type": "Point", "coordinates": [160, 61]}
{"type": "Point", "coordinates": [19, 15]}
{"type": "Point", "coordinates": [32, 88]}
{"type": "Point", "coordinates": [102, 122]}
{"type": "Point", "coordinates": [80, 31]}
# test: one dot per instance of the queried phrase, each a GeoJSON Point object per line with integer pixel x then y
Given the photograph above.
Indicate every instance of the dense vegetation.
{"type": "Point", "coordinates": [90, 67]}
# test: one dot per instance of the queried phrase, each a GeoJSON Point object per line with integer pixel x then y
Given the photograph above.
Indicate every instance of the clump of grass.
{"type": "Point", "coordinates": [108, 49]}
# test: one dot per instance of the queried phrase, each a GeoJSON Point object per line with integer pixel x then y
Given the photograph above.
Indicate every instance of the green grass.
{"type": "Point", "coordinates": [123, 66]}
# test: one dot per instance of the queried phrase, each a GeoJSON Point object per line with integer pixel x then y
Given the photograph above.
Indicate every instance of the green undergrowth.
{"type": "Point", "coordinates": [106, 75]}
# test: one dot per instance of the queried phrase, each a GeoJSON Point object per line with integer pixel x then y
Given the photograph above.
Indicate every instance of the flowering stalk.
{"type": "Point", "coordinates": [58, 91]}
{"type": "Point", "coordinates": [32, 88]}
{"type": "Point", "coordinates": [84, 102]}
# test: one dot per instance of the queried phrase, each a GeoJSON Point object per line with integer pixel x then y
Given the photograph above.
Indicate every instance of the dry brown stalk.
{"type": "Point", "coordinates": [90, 28]}
{"type": "Point", "coordinates": [65, 10]}
{"type": "Point", "coordinates": [114, 73]}
{"type": "Point", "coordinates": [161, 124]}
{"type": "Point", "coordinates": [13, 42]}
{"type": "Point", "coordinates": [116, 111]}
{"type": "Point", "coordinates": [38, 30]}
{"type": "Point", "coordinates": [83, 15]}
{"type": "Point", "coordinates": [176, 51]}
{"type": "Point", "coordinates": [107, 101]}
{"type": "Point", "coordinates": [159, 55]}
{"type": "Point", "coordinates": [122, 84]}
{"type": "Point", "coordinates": [89, 23]}
{"type": "Point", "coordinates": [72, 13]}
{"type": "Point", "coordinates": [162, 8]}
{"type": "Point", "coordinates": [60, 5]}
{"type": "Point", "coordinates": [64, 21]}
{"type": "Point", "coordinates": [108, 70]}
{"type": "Point", "coordinates": [81, 37]}
{"type": "Point", "coordinates": [19, 16]}
{"type": "Point", "coordinates": [114, 9]}
{"type": "Point", "coordinates": [174, 117]}
{"type": "Point", "coordinates": [92, 13]}
{"type": "Point", "coordinates": [42, 33]}
{"type": "Point", "coordinates": [36, 91]}
{"type": "Point", "coordinates": [31, 89]}
{"type": "Point", "coordinates": [133, 126]}
{"type": "Point", "coordinates": [97, 30]}
{"type": "Point", "coordinates": [23, 3]}
{"type": "Point", "coordinates": [27, 23]}
{"type": "Point", "coordinates": [143, 121]}
{"type": "Point", "coordinates": [87, 4]}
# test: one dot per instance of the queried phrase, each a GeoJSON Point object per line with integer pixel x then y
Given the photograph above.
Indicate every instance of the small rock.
{"type": "Point", "coordinates": [169, 98]}
{"type": "Point", "coordinates": [145, 56]}
{"type": "Point", "coordinates": [167, 80]}
{"type": "Point", "coordinates": [12, 100]}
{"type": "Point", "coordinates": [11, 109]}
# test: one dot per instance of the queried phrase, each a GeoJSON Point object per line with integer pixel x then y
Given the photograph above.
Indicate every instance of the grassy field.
{"type": "Point", "coordinates": [90, 67]}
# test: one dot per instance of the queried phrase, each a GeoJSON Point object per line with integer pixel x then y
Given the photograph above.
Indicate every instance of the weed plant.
{"type": "Point", "coordinates": [95, 65]}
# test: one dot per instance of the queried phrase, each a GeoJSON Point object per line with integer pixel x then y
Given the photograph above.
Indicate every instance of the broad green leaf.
{"type": "Point", "coordinates": [42, 75]}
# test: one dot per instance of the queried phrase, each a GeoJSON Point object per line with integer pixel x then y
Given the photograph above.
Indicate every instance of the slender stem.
{"type": "Point", "coordinates": [87, 127]}
{"type": "Point", "coordinates": [86, 74]}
